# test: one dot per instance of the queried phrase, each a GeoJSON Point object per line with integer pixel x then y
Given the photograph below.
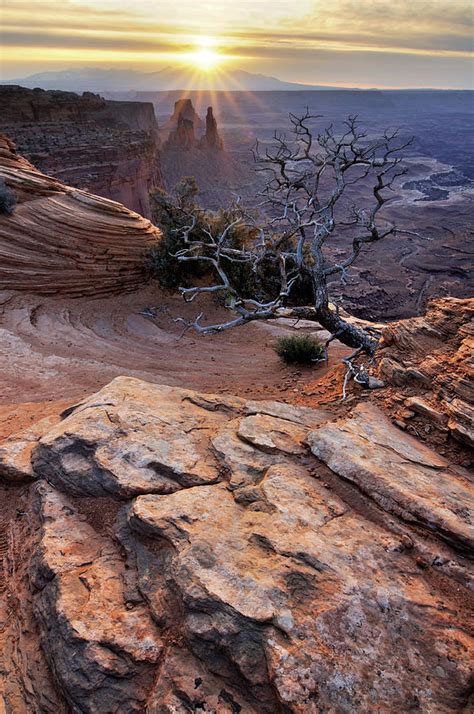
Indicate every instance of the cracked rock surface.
{"type": "Point", "coordinates": [194, 552]}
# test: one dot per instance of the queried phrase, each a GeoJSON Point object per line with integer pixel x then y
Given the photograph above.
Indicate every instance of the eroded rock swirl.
{"type": "Point", "coordinates": [61, 240]}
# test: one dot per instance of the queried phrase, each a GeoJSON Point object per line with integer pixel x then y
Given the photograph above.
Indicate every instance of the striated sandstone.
{"type": "Point", "coordinates": [61, 240]}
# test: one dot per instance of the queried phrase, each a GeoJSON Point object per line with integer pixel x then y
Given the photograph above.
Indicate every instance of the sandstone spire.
{"type": "Point", "coordinates": [211, 139]}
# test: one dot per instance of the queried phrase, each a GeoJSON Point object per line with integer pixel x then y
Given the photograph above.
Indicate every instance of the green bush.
{"type": "Point", "coordinates": [300, 349]}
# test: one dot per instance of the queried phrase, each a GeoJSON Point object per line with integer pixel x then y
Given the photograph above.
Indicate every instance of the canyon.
{"type": "Point", "coordinates": [129, 144]}
{"type": "Point", "coordinates": [110, 148]}
{"type": "Point", "coordinates": [433, 200]}
{"type": "Point", "coordinates": [186, 523]}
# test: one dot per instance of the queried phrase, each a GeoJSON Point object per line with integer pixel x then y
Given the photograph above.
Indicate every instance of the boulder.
{"type": "Point", "coordinates": [133, 437]}
{"type": "Point", "coordinates": [193, 552]}
{"type": "Point", "coordinates": [130, 438]}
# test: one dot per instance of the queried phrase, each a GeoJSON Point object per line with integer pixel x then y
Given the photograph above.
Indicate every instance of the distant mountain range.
{"type": "Point", "coordinates": [168, 79]}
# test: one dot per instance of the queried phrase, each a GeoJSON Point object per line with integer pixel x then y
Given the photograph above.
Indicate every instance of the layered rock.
{"type": "Point", "coordinates": [63, 240]}
{"type": "Point", "coordinates": [195, 552]}
{"type": "Point", "coordinates": [184, 108]}
{"type": "Point", "coordinates": [102, 652]}
{"type": "Point", "coordinates": [183, 137]}
{"type": "Point", "coordinates": [188, 151]}
{"type": "Point", "coordinates": [429, 360]}
{"type": "Point", "coordinates": [400, 474]}
{"type": "Point", "coordinates": [109, 148]}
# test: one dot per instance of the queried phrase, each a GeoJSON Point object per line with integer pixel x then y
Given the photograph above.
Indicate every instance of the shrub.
{"type": "Point", "coordinates": [7, 199]}
{"type": "Point", "coordinates": [300, 349]}
{"type": "Point", "coordinates": [172, 213]}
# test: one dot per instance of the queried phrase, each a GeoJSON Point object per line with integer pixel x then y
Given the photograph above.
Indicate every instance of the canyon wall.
{"type": "Point", "coordinates": [59, 239]}
{"type": "Point", "coordinates": [108, 148]}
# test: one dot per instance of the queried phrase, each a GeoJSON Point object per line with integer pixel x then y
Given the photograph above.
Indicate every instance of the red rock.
{"type": "Point", "coordinates": [61, 240]}
{"type": "Point", "coordinates": [434, 355]}
{"type": "Point", "coordinates": [109, 148]}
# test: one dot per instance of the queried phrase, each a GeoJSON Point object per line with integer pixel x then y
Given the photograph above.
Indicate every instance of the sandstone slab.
{"type": "Point", "coordinates": [15, 452]}
{"type": "Point", "coordinates": [231, 579]}
{"type": "Point", "coordinates": [101, 652]}
{"type": "Point", "coordinates": [300, 602]}
{"type": "Point", "coordinates": [402, 475]}
{"type": "Point", "coordinates": [133, 437]}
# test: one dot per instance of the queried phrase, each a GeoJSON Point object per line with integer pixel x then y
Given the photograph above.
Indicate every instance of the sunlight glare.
{"type": "Point", "coordinates": [205, 58]}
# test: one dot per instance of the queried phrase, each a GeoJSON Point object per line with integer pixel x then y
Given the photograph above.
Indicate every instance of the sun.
{"type": "Point", "coordinates": [205, 57]}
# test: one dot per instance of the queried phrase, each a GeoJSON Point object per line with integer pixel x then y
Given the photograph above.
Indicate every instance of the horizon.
{"type": "Point", "coordinates": [366, 45]}
{"type": "Point", "coordinates": [304, 86]}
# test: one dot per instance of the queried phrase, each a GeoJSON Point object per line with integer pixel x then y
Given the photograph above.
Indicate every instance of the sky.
{"type": "Point", "coordinates": [364, 43]}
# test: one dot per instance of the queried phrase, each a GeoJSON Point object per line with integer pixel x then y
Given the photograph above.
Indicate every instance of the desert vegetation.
{"type": "Point", "coordinates": [319, 188]}
{"type": "Point", "coordinates": [182, 221]}
{"type": "Point", "coordinates": [300, 349]}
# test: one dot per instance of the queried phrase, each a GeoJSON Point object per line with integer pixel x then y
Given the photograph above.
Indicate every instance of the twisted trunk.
{"type": "Point", "coordinates": [344, 331]}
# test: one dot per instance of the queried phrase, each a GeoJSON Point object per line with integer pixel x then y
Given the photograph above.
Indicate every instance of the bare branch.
{"type": "Point", "coordinates": [307, 176]}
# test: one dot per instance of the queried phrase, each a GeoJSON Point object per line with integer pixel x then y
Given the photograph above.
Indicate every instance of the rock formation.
{"type": "Point", "coordinates": [194, 552]}
{"type": "Point", "coordinates": [183, 108]}
{"type": "Point", "coordinates": [183, 125]}
{"type": "Point", "coordinates": [429, 361]}
{"type": "Point", "coordinates": [211, 139]}
{"type": "Point", "coordinates": [109, 148]}
{"type": "Point", "coordinates": [183, 137]}
{"type": "Point", "coordinates": [187, 151]}
{"type": "Point", "coordinates": [63, 240]}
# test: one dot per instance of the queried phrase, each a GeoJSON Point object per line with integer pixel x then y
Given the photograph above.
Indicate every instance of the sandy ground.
{"type": "Point", "coordinates": [54, 351]}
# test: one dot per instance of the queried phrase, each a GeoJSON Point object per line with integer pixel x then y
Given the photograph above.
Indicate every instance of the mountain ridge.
{"type": "Point", "coordinates": [96, 79]}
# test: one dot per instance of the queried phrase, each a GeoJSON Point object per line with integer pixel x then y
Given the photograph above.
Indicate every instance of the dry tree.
{"type": "Point", "coordinates": [308, 200]}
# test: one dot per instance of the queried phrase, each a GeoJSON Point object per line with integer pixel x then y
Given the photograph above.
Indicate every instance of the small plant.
{"type": "Point", "coordinates": [7, 199]}
{"type": "Point", "coordinates": [300, 349]}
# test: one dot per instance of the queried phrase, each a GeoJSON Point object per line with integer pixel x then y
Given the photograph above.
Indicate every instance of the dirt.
{"type": "Point", "coordinates": [56, 351]}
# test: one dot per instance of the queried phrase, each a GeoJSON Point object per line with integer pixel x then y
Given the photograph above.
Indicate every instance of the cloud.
{"type": "Point", "coordinates": [254, 29]}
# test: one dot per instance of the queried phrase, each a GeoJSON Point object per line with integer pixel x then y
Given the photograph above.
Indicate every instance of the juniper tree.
{"type": "Point", "coordinates": [308, 200]}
